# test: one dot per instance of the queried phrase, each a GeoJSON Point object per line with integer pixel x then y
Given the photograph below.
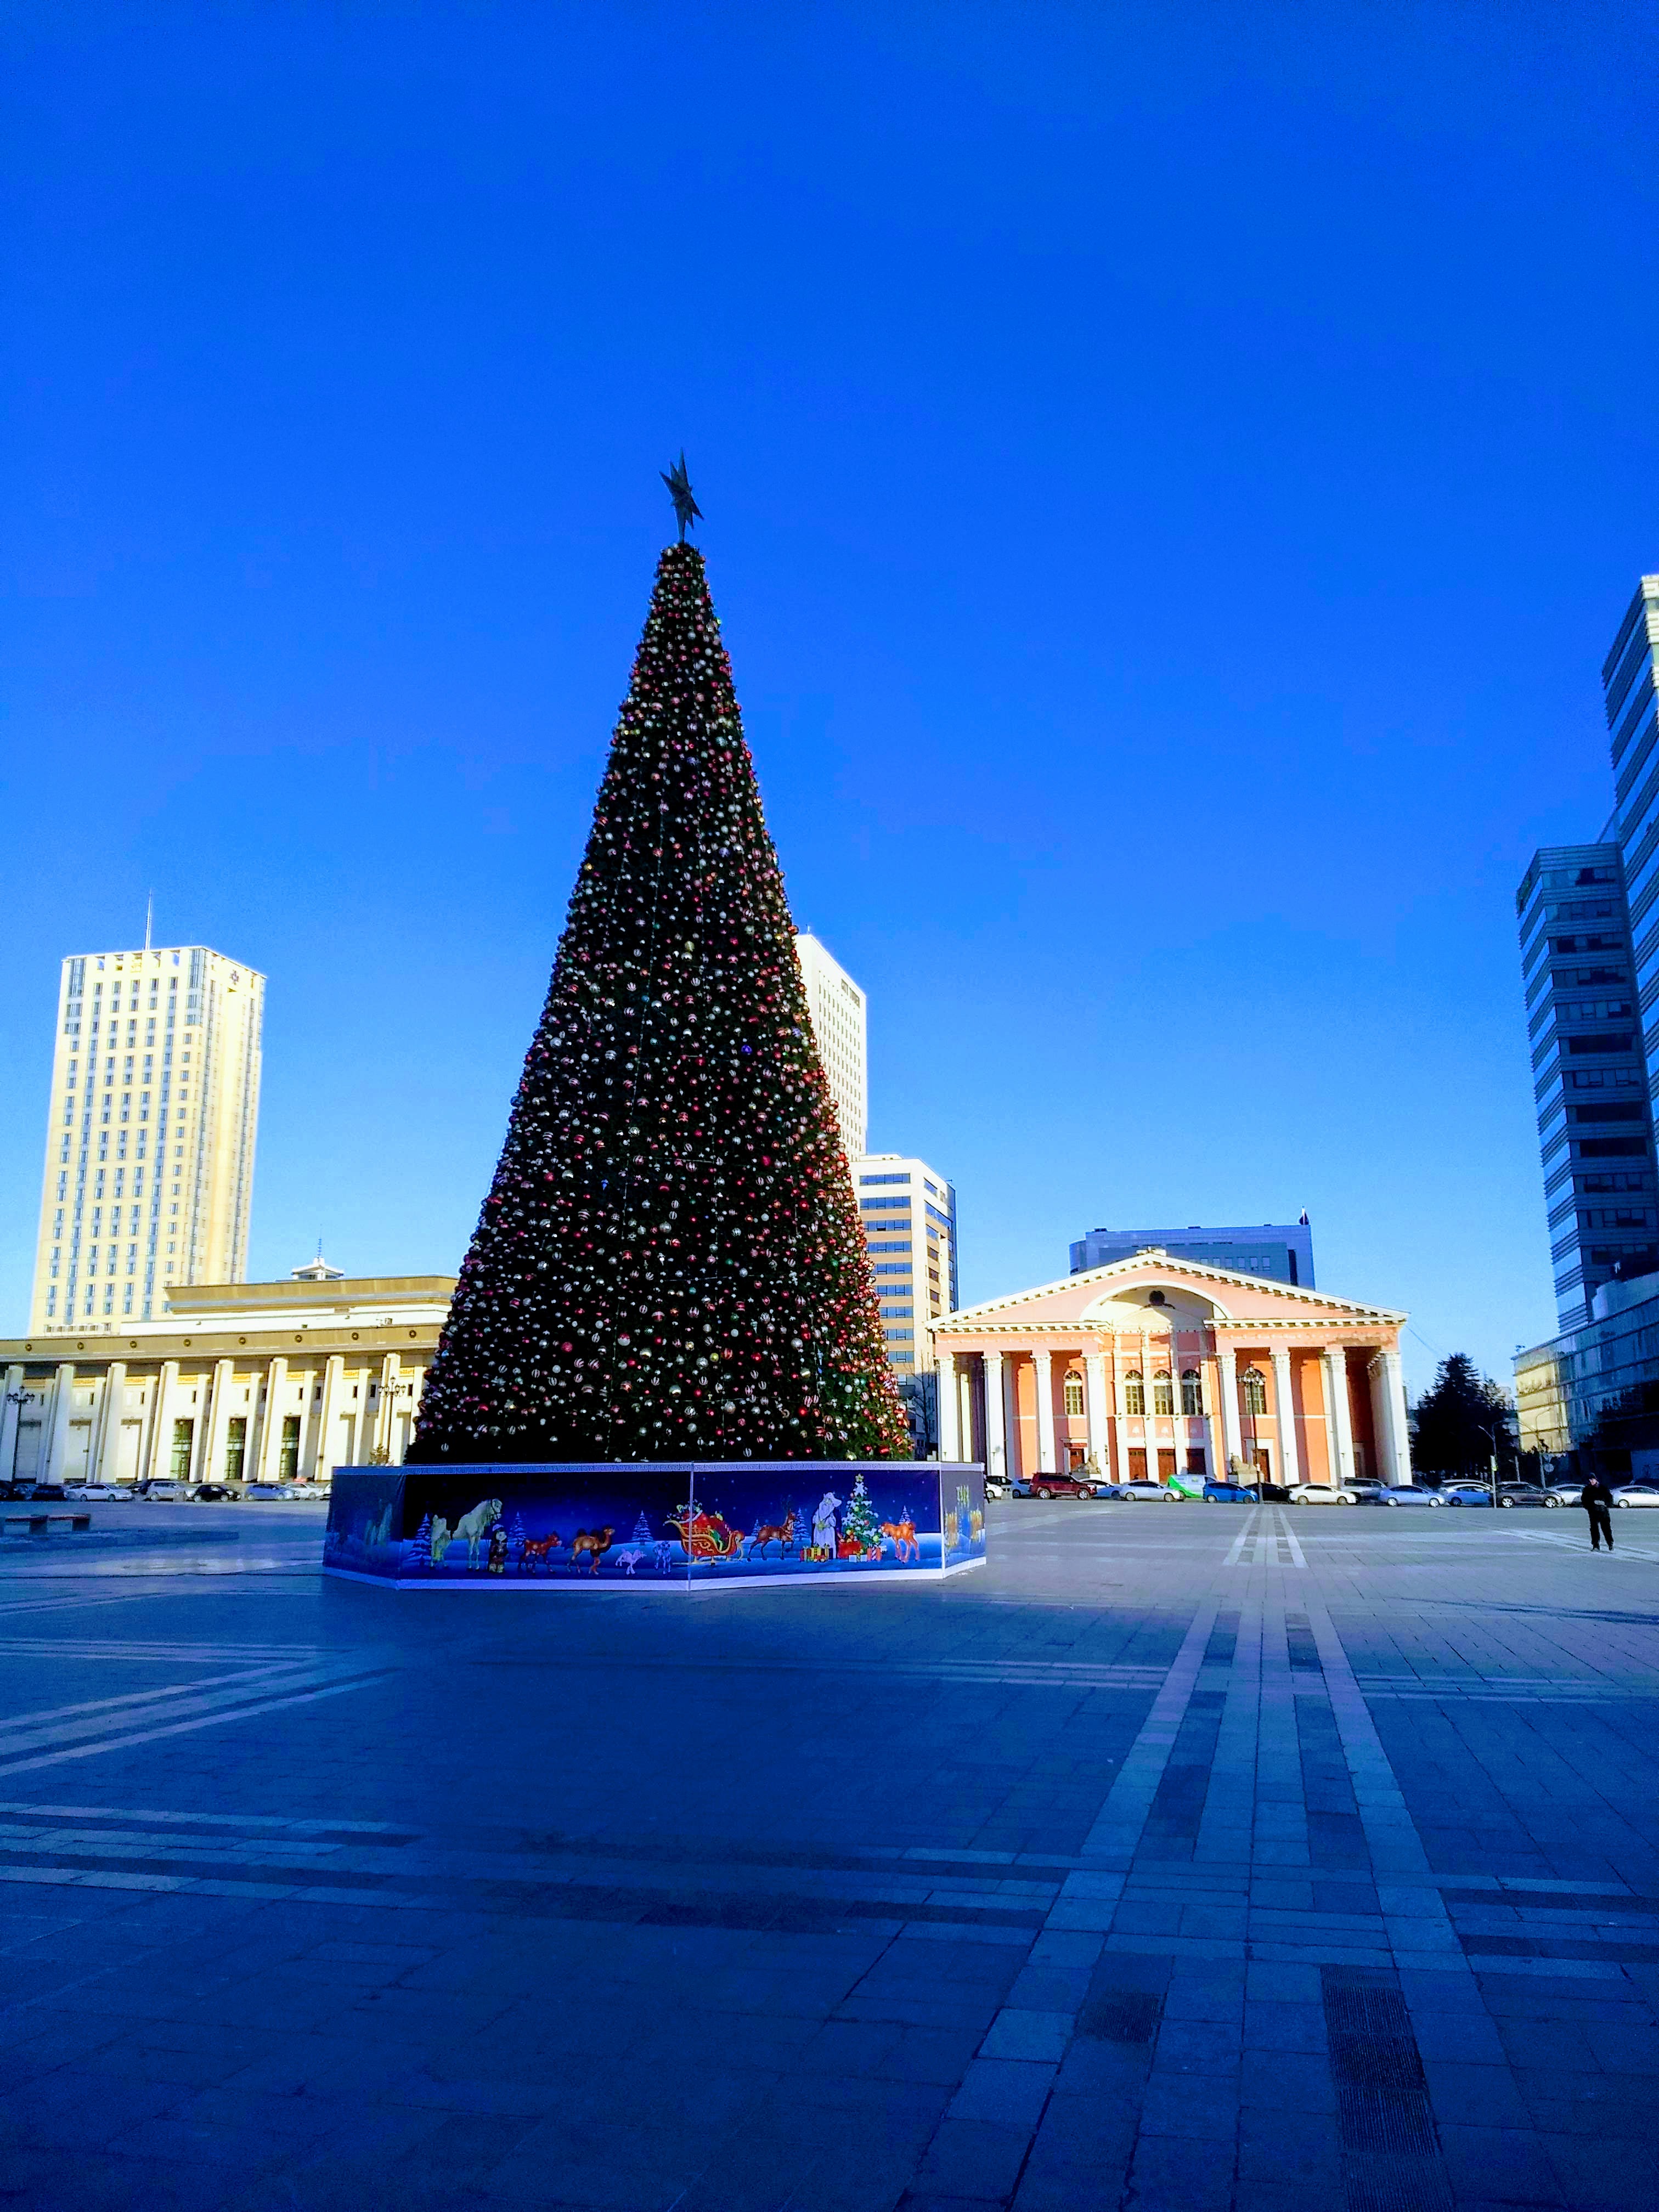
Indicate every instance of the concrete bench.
{"type": "Point", "coordinates": [41, 1524]}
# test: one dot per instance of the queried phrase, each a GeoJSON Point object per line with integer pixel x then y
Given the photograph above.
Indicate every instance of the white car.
{"type": "Point", "coordinates": [1404, 1494]}
{"type": "Point", "coordinates": [1635, 1493]}
{"type": "Point", "coordinates": [1321, 1493]}
{"type": "Point", "coordinates": [102, 1491]}
{"type": "Point", "coordinates": [168, 1492]}
{"type": "Point", "coordinates": [1147, 1490]}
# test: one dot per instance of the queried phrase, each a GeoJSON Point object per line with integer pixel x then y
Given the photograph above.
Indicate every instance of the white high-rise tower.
{"type": "Point", "coordinates": [837, 1008]}
{"type": "Point", "coordinates": [149, 1135]}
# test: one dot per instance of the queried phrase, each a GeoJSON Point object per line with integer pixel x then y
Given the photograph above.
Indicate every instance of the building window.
{"type": "Point", "coordinates": [1191, 1391]}
{"type": "Point", "coordinates": [1134, 1392]}
{"type": "Point", "coordinates": [1162, 1392]}
{"type": "Point", "coordinates": [1254, 1384]}
{"type": "Point", "coordinates": [1073, 1394]}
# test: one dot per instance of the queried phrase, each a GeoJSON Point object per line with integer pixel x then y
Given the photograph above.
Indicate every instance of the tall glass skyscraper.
{"type": "Point", "coordinates": [1589, 1075]}
{"type": "Point", "coordinates": [1628, 683]}
{"type": "Point", "coordinates": [1590, 950]}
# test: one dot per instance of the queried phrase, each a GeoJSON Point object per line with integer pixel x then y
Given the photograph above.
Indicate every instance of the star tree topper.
{"type": "Point", "coordinates": [686, 510]}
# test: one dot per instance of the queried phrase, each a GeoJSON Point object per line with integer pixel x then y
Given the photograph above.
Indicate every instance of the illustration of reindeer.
{"type": "Point", "coordinates": [592, 1541]}
{"type": "Point", "coordinates": [783, 1535]}
{"type": "Point", "coordinates": [538, 1548]}
{"type": "Point", "coordinates": [902, 1535]}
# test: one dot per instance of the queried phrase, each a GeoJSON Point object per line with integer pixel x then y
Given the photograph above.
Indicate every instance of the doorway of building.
{"type": "Point", "coordinates": [1137, 1464]}
{"type": "Point", "coordinates": [1165, 1465]}
{"type": "Point", "coordinates": [1261, 1460]}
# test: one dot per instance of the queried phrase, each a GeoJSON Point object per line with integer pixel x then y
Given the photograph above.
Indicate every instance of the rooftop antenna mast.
{"type": "Point", "coordinates": [149, 916]}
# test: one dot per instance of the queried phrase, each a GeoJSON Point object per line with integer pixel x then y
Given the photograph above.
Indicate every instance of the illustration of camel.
{"type": "Point", "coordinates": [902, 1535]}
{"type": "Point", "coordinates": [629, 1557]}
{"type": "Point", "coordinates": [474, 1525]}
{"type": "Point", "coordinates": [593, 1542]}
{"type": "Point", "coordinates": [538, 1548]}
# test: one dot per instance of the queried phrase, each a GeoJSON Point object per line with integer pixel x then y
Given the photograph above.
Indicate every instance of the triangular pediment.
{"type": "Point", "coordinates": [1157, 1289]}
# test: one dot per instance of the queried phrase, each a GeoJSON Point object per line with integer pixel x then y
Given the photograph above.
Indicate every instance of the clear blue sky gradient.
{"type": "Point", "coordinates": [1171, 474]}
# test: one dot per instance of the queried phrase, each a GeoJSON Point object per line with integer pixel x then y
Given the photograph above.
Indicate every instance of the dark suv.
{"type": "Point", "coordinates": [1063, 1485]}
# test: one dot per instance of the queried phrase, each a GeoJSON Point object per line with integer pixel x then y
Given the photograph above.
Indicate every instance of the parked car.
{"type": "Point", "coordinates": [271, 1493]}
{"type": "Point", "coordinates": [47, 1494]}
{"type": "Point", "coordinates": [1274, 1493]}
{"type": "Point", "coordinates": [1565, 1493]}
{"type": "Point", "coordinates": [1321, 1493]}
{"type": "Point", "coordinates": [1635, 1493]}
{"type": "Point", "coordinates": [1137, 1490]}
{"type": "Point", "coordinates": [168, 1491]}
{"type": "Point", "coordinates": [1467, 1493]}
{"type": "Point", "coordinates": [1066, 1486]}
{"type": "Point", "coordinates": [101, 1493]}
{"type": "Point", "coordinates": [995, 1486]}
{"type": "Point", "coordinates": [213, 1493]}
{"type": "Point", "coordinates": [1230, 1493]}
{"type": "Point", "coordinates": [1404, 1493]}
{"type": "Point", "coordinates": [1527, 1493]}
{"type": "Point", "coordinates": [1364, 1485]}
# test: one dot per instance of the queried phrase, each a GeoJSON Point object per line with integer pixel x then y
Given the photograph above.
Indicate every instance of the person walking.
{"type": "Point", "coordinates": [1596, 1499]}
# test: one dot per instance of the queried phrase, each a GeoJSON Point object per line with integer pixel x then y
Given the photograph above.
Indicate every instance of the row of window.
{"type": "Point", "coordinates": [1252, 1384]}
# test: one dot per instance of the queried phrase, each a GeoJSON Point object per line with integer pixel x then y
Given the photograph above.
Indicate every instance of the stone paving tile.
{"type": "Point", "coordinates": [681, 1926]}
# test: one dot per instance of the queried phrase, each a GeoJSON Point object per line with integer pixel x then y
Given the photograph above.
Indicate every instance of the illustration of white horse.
{"type": "Point", "coordinates": [474, 1525]}
{"type": "Point", "coordinates": [824, 1522]}
{"type": "Point", "coordinates": [443, 1537]}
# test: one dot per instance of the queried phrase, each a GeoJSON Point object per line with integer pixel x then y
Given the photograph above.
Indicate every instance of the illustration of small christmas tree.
{"type": "Point", "coordinates": [642, 1530]}
{"type": "Point", "coordinates": [669, 1260]}
{"type": "Point", "coordinates": [516, 1536]}
{"type": "Point", "coordinates": [859, 1525]}
{"type": "Point", "coordinates": [420, 1550]}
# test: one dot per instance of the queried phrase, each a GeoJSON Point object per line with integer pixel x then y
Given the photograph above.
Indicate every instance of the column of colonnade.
{"type": "Point", "coordinates": [1042, 1362]}
{"type": "Point", "coordinates": [996, 1436]}
{"type": "Point", "coordinates": [1290, 1455]}
{"type": "Point", "coordinates": [949, 1410]}
{"type": "Point", "coordinates": [1338, 1427]}
{"type": "Point", "coordinates": [11, 1416]}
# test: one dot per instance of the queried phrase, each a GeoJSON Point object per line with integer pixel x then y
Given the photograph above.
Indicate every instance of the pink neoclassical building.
{"type": "Point", "coordinates": [1155, 1365]}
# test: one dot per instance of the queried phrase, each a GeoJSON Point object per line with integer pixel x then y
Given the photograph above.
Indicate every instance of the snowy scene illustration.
{"type": "Point", "coordinates": [507, 1527]}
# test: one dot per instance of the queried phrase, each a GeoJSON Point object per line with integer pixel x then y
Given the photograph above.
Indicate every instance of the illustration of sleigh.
{"type": "Point", "coordinates": [704, 1535]}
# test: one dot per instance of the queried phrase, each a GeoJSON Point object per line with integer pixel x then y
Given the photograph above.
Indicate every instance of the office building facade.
{"type": "Point", "coordinates": [1278, 1252]}
{"type": "Point", "coordinates": [908, 1211]}
{"type": "Point", "coordinates": [1630, 694]}
{"type": "Point", "coordinates": [1589, 919]}
{"type": "Point", "coordinates": [1590, 1072]}
{"type": "Point", "coordinates": [839, 1028]}
{"type": "Point", "coordinates": [229, 1382]}
{"type": "Point", "coordinates": [150, 1131]}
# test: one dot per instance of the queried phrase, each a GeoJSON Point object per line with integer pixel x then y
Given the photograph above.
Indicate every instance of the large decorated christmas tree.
{"type": "Point", "coordinates": [669, 1263]}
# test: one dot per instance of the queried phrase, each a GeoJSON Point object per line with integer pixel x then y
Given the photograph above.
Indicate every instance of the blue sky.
{"type": "Point", "coordinates": [1171, 474]}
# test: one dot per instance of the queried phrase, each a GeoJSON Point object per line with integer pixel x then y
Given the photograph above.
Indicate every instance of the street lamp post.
{"type": "Point", "coordinates": [19, 1399]}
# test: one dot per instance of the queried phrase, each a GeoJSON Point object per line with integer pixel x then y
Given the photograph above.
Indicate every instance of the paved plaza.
{"type": "Point", "coordinates": [1185, 1857]}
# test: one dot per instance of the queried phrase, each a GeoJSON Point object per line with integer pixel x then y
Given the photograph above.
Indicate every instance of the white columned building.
{"type": "Point", "coordinates": [1120, 1328]}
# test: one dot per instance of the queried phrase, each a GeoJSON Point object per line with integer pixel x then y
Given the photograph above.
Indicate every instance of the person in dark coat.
{"type": "Point", "coordinates": [1596, 1499]}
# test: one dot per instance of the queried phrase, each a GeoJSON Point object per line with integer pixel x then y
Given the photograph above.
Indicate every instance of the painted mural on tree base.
{"type": "Point", "coordinates": [646, 1524]}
